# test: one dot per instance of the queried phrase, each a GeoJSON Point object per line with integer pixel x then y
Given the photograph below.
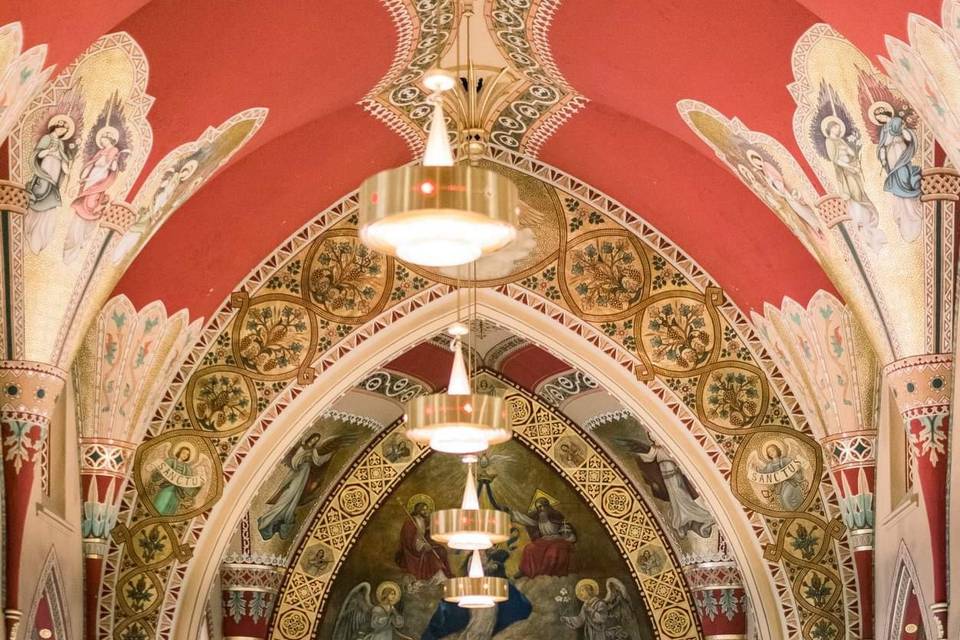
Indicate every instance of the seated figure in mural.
{"type": "Point", "coordinates": [418, 555]}
{"type": "Point", "coordinates": [551, 539]}
{"type": "Point", "coordinates": [176, 480]}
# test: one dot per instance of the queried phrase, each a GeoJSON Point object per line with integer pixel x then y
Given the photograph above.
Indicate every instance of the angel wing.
{"type": "Point", "coordinates": [635, 446]}
{"type": "Point", "coordinates": [354, 619]}
{"type": "Point", "coordinates": [617, 599]}
{"type": "Point", "coordinates": [753, 461]}
{"type": "Point", "coordinates": [830, 106]}
{"type": "Point", "coordinates": [332, 443]}
{"type": "Point", "coordinates": [870, 92]}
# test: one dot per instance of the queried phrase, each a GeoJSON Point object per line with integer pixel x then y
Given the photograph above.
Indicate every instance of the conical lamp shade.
{"type": "Point", "coordinates": [438, 152]}
{"type": "Point", "coordinates": [459, 382]}
{"type": "Point", "coordinates": [470, 500]}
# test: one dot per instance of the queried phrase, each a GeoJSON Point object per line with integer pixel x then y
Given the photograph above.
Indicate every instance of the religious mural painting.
{"type": "Point", "coordinates": [726, 392]}
{"type": "Point", "coordinates": [385, 575]}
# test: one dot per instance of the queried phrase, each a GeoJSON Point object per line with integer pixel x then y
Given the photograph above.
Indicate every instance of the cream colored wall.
{"type": "Point", "coordinates": [54, 524]}
{"type": "Point", "coordinates": [898, 521]}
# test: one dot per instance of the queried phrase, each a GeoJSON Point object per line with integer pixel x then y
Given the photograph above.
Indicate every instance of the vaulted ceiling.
{"type": "Point", "coordinates": [310, 66]}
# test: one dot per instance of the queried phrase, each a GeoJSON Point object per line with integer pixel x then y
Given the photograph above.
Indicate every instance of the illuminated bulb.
{"type": "Point", "coordinates": [459, 381]}
{"type": "Point", "coordinates": [476, 601]}
{"type": "Point", "coordinates": [438, 152]}
{"type": "Point", "coordinates": [438, 80]}
{"type": "Point", "coordinates": [458, 329]}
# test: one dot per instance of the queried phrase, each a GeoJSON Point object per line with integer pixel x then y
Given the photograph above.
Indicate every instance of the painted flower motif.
{"type": "Point", "coordinates": [733, 396]}
{"type": "Point", "coordinates": [677, 333]}
{"type": "Point", "coordinates": [343, 277]}
{"type": "Point", "coordinates": [607, 274]}
{"type": "Point", "coordinates": [804, 540]}
{"type": "Point", "coordinates": [274, 338]}
{"type": "Point", "coordinates": [221, 401]}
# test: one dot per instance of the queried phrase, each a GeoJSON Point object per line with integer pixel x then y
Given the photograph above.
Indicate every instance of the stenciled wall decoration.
{"type": "Point", "coordinates": [651, 308]}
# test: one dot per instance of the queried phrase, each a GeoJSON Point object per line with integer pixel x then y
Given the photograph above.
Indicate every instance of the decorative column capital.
{"type": "Point", "coordinates": [832, 210]}
{"type": "Point", "coordinates": [718, 592]}
{"type": "Point", "coordinates": [13, 197]}
{"type": "Point", "coordinates": [249, 592]}
{"type": "Point", "coordinates": [922, 385]}
{"type": "Point", "coordinates": [940, 183]}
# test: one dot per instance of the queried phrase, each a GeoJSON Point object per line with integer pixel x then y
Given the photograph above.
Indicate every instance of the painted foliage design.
{"type": "Point", "coordinates": [21, 75]}
{"type": "Point", "coordinates": [555, 578]}
{"type": "Point", "coordinates": [225, 399]}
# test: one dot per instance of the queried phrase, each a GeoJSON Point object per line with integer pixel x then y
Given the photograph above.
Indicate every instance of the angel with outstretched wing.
{"type": "Point", "coordinates": [667, 482]}
{"type": "Point", "coordinates": [894, 132]}
{"type": "Point", "coordinates": [779, 474]}
{"type": "Point", "coordinates": [608, 618]}
{"type": "Point", "coordinates": [361, 619]}
{"type": "Point", "coordinates": [306, 465]}
{"type": "Point", "coordinates": [837, 140]}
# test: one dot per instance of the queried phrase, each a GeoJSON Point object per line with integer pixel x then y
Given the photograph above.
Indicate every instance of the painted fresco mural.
{"type": "Point", "coordinates": [555, 580]}
{"type": "Point", "coordinates": [607, 284]}
{"type": "Point", "coordinates": [367, 560]}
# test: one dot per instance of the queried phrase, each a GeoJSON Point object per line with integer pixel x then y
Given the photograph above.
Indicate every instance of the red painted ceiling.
{"type": "Point", "coordinates": [310, 62]}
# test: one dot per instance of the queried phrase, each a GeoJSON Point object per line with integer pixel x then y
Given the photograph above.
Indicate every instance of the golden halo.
{"type": "Point", "coordinates": [872, 111]}
{"type": "Point", "coordinates": [107, 130]}
{"type": "Point", "coordinates": [421, 497]}
{"type": "Point", "coordinates": [183, 444]}
{"type": "Point", "coordinates": [389, 584]}
{"type": "Point", "coordinates": [62, 119]}
{"type": "Point", "coordinates": [581, 589]}
{"type": "Point", "coordinates": [754, 154]}
{"type": "Point", "coordinates": [188, 169]}
{"type": "Point", "coordinates": [829, 120]}
{"type": "Point", "coordinates": [539, 493]}
{"type": "Point", "coordinates": [779, 444]}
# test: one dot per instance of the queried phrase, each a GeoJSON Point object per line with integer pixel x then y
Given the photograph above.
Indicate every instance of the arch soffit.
{"type": "Point", "coordinates": [624, 224]}
{"type": "Point", "coordinates": [422, 324]}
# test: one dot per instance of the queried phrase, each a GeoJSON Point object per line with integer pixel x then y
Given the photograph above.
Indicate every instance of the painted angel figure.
{"type": "Point", "coordinates": [894, 132]}
{"type": "Point", "coordinates": [361, 619]}
{"type": "Point", "coordinates": [837, 140]}
{"type": "Point", "coordinates": [52, 156]}
{"type": "Point", "coordinates": [177, 479]}
{"type": "Point", "coordinates": [771, 175]}
{"type": "Point", "coordinates": [306, 466]}
{"type": "Point", "coordinates": [607, 618]}
{"type": "Point", "coordinates": [173, 180]}
{"type": "Point", "coordinates": [779, 473]}
{"type": "Point", "coordinates": [104, 159]}
{"type": "Point", "coordinates": [667, 482]}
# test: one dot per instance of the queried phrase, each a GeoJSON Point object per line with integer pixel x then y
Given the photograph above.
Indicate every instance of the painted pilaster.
{"type": "Point", "coordinates": [922, 387]}
{"type": "Point", "coordinates": [852, 462]}
{"type": "Point", "coordinates": [249, 592]}
{"type": "Point", "coordinates": [29, 392]}
{"type": "Point", "coordinates": [720, 598]}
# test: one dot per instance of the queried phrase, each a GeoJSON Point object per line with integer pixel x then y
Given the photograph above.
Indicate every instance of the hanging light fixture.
{"type": "Point", "coordinates": [470, 528]}
{"type": "Point", "coordinates": [476, 591]}
{"type": "Point", "coordinates": [460, 420]}
{"type": "Point", "coordinates": [439, 214]}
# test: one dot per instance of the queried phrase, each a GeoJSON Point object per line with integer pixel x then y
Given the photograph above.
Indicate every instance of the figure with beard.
{"type": "Point", "coordinates": [551, 539]}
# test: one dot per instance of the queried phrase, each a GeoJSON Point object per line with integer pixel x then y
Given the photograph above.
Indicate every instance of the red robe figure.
{"type": "Point", "coordinates": [551, 541]}
{"type": "Point", "coordinates": [97, 175]}
{"type": "Point", "coordinates": [418, 555]}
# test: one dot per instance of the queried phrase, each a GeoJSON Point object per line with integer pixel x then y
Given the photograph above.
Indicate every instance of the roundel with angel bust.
{"type": "Point", "coordinates": [777, 472]}
{"type": "Point", "coordinates": [567, 578]}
